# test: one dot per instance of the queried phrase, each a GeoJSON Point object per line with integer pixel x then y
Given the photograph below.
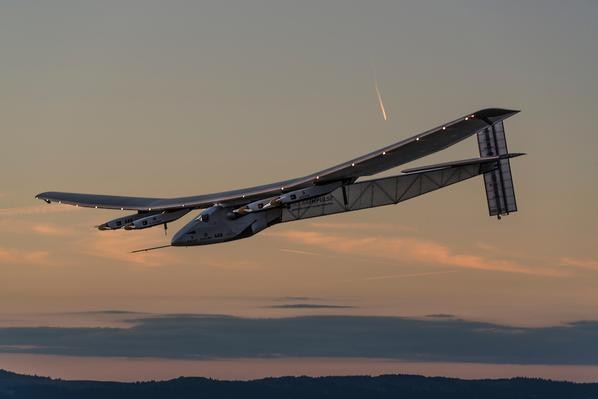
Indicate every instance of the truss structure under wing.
{"type": "Point", "coordinates": [384, 191]}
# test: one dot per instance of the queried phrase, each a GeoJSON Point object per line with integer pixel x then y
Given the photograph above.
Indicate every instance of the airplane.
{"type": "Point", "coordinates": [237, 214]}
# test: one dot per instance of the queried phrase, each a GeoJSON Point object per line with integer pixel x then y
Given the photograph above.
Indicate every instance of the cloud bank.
{"type": "Point", "coordinates": [310, 306]}
{"type": "Point", "coordinates": [411, 339]}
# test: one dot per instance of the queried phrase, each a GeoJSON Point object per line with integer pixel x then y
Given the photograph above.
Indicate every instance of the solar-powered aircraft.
{"type": "Point", "coordinates": [237, 214]}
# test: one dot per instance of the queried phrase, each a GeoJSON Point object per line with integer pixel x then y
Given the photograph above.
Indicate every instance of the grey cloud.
{"type": "Point", "coordinates": [107, 312]}
{"type": "Point", "coordinates": [438, 339]}
{"type": "Point", "coordinates": [297, 298]}
{"type": "Point", "coordinates": [309, 306]}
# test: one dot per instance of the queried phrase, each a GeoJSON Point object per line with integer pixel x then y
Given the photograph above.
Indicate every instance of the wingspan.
{"type": "Point", "coordinates": [402, 152]}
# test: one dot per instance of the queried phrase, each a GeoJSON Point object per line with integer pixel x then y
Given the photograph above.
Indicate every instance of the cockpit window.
{"type": "Point", "coordinates": [205, 218]}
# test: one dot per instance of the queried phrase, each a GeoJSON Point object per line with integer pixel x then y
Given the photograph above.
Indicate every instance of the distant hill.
{"type": "Point", "coordinates": [17, 386]}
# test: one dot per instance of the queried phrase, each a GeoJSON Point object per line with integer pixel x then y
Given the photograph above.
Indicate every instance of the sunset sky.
{"type": "Point", "coordinates": [164, 99]}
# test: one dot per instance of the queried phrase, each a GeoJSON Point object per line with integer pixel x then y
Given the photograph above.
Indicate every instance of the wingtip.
{"type": "Point", "coordinates": [42, 197]}
{"type": "Point", "coordinates": [516, 154]}
{"type": "Point", "coordinates": [496, 112]}
{"type": "Point", "coordinates": [512, 111]}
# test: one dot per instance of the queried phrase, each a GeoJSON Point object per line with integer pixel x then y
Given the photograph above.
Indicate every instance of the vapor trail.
{"type": "Point", "coordinates": [380, 102]}
{"type": "Point", "coordinates": [411, 275]}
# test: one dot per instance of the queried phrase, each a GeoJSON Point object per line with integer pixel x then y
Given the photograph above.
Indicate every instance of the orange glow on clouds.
{"type": "Point", "coordinates": [35, 210]}
{"type": "Point", "coordinates": [410, 249]}
{"type": "Point", "coordinates": [586, 263]}
{"type": "Point", "coordinates": [51, 230]}
{"type": "Point", "coordinates": [118, 244]}
{"type": "Point", "coordinates": [23, 257]}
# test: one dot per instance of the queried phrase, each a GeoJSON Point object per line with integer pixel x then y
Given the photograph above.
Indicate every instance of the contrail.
{"type": "Point", "coordinates": [411, 275]}
{"type": "Point", "coordinates": [380, 101]}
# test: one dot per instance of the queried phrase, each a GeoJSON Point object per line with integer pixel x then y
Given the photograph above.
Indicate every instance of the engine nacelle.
{"type": "Point", "coordinates": [121, 222]}
{"type": "Point", "coordinates": [287, 198]}
{"type": "Point", "coordinates": [307, 193]}
{"type": "Point", "coordinates": [156, 219]}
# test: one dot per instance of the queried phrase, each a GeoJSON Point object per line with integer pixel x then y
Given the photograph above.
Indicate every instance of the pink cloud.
{"type": "Point", "coordinates": [15, 256]}
{"type": "Point", "coordinates": [591, 264]}
{"type": "Point", "coordinates": [51, 230]}
{"type": "Point", "coordinates": [298, 252]}
{"type": "Point", "coordinates": [410, 275]}
{"type": "Point", "coordinates": [13, 226]}
{"type": "Point", "coordinates": [360, 226]}
{"type": "Point", "coordinates": [232, 264]}
{"type": "Point", "coordinates": [117, 245]}
{"type": "Point", "coordinates": [409, 249]}
{"type": "Point", "coordinates": [35, 210]}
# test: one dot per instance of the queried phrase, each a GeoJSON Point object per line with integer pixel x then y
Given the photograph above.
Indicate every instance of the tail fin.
{"type": "Point", "coordinates": [499, 182]}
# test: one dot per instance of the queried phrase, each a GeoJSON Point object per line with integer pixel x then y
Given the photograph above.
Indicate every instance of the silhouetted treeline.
{"type": "Point", "coordinates": [17, 386]}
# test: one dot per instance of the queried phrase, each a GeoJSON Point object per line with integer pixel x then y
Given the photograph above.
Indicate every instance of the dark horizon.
{"type": "Point", "coordinates": [17, 386]}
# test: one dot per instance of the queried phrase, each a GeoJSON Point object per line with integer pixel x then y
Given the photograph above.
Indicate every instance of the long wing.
{"type": "Point", "coordinates": [402, 152]}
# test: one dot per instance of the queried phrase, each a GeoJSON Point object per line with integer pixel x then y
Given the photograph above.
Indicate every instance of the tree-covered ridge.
{"type": "Point", "coordinates": [17, 386]}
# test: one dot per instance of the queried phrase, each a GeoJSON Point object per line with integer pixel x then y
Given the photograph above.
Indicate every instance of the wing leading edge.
{"type": "Point", "coordinates": [391, 156]}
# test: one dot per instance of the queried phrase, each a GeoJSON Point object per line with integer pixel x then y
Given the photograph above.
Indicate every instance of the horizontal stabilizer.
{"type": "Point", "coordinates": [454, 164]}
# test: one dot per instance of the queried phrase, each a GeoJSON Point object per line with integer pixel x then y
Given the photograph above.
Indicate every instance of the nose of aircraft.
{"type": "Point", "coordinates": [182, 237]}
{"type": "Point", "coordinates": [186, 235]}
{"type": "Point", "coordinates": [176, 239]}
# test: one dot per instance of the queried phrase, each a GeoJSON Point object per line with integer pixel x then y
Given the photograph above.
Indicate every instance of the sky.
{"type": "Point", "coordinates": [158, 99]}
